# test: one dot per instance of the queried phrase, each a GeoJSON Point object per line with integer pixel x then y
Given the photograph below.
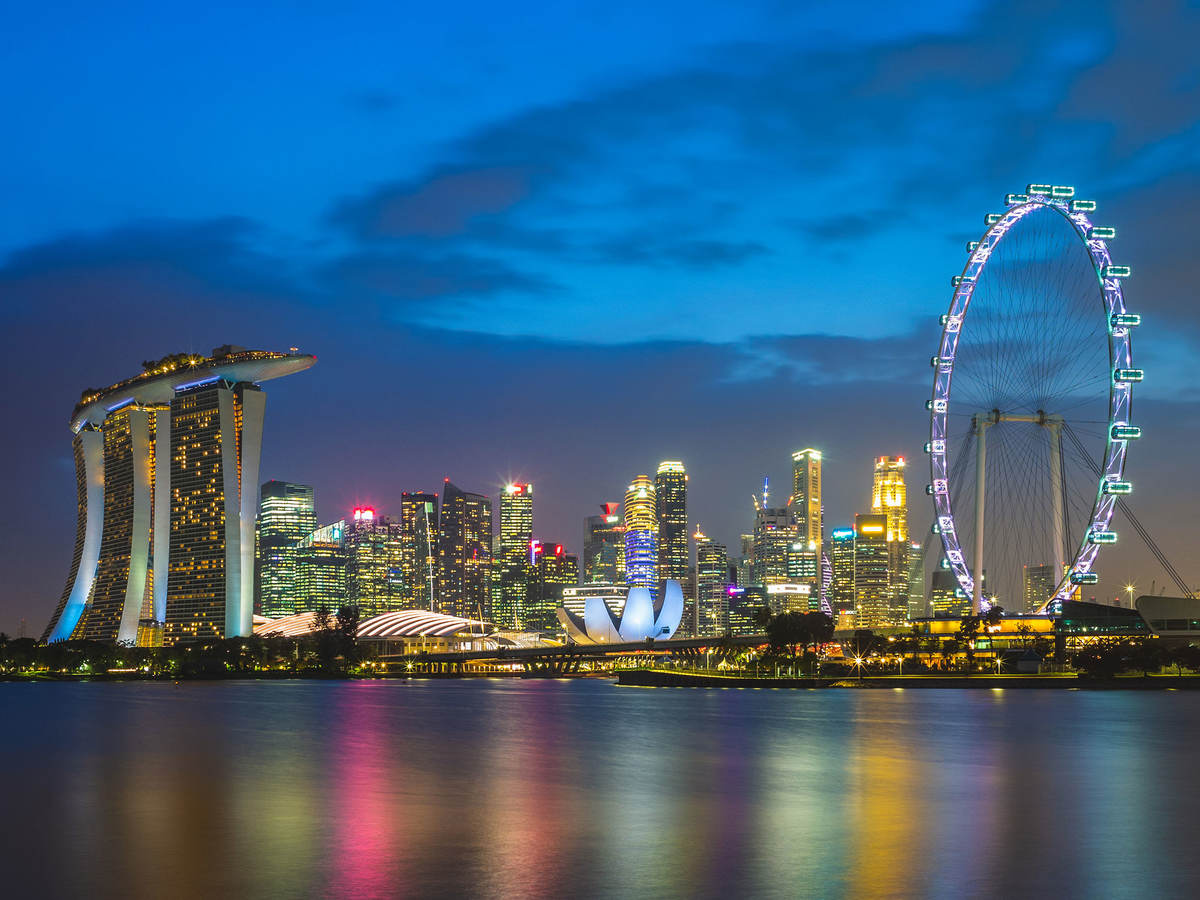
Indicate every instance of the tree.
{"type": "Point", "coordinates": [1101, 659]}
{"type": "Point", "coordinates": [327, 638]}
{"type": "Point", "coordinates": [788, 633]}
{"type": "Point", "coordinates": [820, 627]}
{"type": "Point", "coordinates": [968, 628]}
{"type": "Point", "coordinates": [347, 630]}
{"type": "Point", "coordinates": [762, 617]}
{"type": "Point", "coordinates": [1146, 654]}
{"type": "Point", "coordinates": [1187, 656]}
{"type": "Point", "coordinates": [1023, 632]}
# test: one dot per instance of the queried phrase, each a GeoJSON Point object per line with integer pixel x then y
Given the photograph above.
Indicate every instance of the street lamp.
{"type": "Point", "coordinates": [1129, 589]}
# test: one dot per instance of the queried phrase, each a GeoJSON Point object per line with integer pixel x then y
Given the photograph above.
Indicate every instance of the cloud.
{"type": "Point", "coordinates": [409, 278]}
{"type": "Point", "coordinates": [148, 267]}
{"type": "Point", "coordinates": [645, 249]}
{"type": "Point", "coordinates": [441, 204]}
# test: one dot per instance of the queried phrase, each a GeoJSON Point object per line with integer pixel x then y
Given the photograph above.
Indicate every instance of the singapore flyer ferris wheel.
{"type": "Point", "coordinates": [1030, 419]}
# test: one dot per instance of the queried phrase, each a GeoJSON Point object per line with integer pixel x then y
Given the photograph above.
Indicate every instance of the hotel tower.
{"type": "Point", "coordinates": [166, 473]}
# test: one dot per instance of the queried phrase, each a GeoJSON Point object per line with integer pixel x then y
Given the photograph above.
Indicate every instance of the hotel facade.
{"type": "Point", "coordinates": [166, 472]}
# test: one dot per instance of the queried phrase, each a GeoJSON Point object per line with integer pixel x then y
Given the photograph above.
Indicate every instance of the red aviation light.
{"type": "Point", "coordinates": [558, 549]}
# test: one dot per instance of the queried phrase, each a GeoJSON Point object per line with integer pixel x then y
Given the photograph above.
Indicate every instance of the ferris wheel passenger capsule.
{"type": "Point", "coordinates": [1125, 320]}
{"type": "Point", "coordinates": [1083, 206]}
{"type": "Point", "coordinates": [1039, 189]}
{"type": "Point", "coordinates": [1116, 271]}
{"type": "Point", "coordinates": [1015, 199]}
{"type": "Point", "coordinates": [1121, 375]}
{"type": "Point", "coordinates": [1102, 232]}
{"type": "Point", "coordinates": [1062, 191]}
{"type": "Point", "coordinates": [1123, 432]}
{"type": "Point", "coordinates": [991, 219]}
{"type": "Point", "coordinates": [972, 246]}
{"type": "Point", "coordinates": [1102, 537]}
{"type": "Point", "coordinates": [1085, 578]}
{"type": "Point", "coordinates": [1118, 487]}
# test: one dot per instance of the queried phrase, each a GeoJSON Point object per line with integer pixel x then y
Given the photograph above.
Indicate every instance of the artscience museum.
{"type": "Point", "coordinates": [641, 618]}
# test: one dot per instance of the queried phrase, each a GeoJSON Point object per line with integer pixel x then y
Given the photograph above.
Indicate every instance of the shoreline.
{"type": "Point", "coordinates": [655, 678]}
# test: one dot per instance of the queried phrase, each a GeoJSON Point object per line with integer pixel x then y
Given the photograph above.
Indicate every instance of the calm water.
{"type": "Point", "coordinates": [556, 788]}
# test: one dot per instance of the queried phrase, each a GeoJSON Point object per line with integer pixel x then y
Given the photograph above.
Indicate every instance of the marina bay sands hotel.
{"type": "Point", "coordinates": [166, 469]}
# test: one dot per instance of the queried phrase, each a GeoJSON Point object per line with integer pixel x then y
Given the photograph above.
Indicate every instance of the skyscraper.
{"type": "Point", "coordinates": [1039, 583]}
{"type": "Point", "coordinates": [166, 464]}
{"type": "Point", "coordinates": [604, 546]}
{"type": "Point", "coordinates": [321, 569]}
{"type": "Point", "coordinates": [774, 537]}
{"type": "Point", "coordinates": [945, 596]}
{"type": "Point", "coordinates": [873, 606]}
{"type": "Point", "coordinates": [712, 583]}
{"type": "Point", "coordinates": [889, 497]}
{"type": "Point", "coordinates": [670, 499]}
{"type": "Point", "coordinates": [807, 515]}
{"type": "Point", "coordinates": [374, 546]}
{"type": "Point", "coordinates": [465, 554]}
{"type": "Point", "coordinates": [916, 581]}
{"type": "Point", "coordinates": [641, 526]}
{"type": "Point", "coordinates": [419, 533]}
{"type": "Point", "coordinates": [286, 515]}
{"type": "Point", "coordinates": [551, 570]}
{"type": "Point", "coordinates": [841, 556]}
{"type": "Point", "coordinates": [513, 558]}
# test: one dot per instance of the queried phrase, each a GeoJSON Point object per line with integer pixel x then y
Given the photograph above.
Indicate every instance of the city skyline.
{"type": "Point", "coordinates": [697, 270]}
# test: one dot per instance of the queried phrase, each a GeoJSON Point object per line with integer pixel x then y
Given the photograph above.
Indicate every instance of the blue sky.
{"type": "Point", "coordinates": [615, 232]}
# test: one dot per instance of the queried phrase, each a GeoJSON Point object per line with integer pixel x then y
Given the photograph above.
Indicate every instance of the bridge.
{"type": "Point", "coordinates": [564, 659]}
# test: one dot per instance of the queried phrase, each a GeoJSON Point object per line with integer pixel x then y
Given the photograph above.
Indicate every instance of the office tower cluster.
{"type": "Point", "coordinates": [166, 470]}
{"type": "Point", "coordinates": [177, 541]}
{"type": "Point", "coordinates": [872, 563]}
{"type": "Point", "coordinates": [866, 575]}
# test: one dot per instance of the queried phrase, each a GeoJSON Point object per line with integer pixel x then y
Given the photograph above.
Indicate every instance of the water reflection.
{"type": "Point", "coordinates": [549, 788]}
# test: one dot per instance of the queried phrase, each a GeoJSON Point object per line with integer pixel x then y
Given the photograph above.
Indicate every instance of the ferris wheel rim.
{"type": "Point", "coordinates": [1119, 429]}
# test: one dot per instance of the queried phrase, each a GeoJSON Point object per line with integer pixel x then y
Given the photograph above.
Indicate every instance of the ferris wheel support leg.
{"type": "Point", "coordinates": [1056, 497]}
{"type": "Point", "coordinates": [981, 424]}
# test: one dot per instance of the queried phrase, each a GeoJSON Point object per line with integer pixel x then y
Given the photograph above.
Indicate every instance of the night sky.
{"type": "Point", "coordinates": [562, 242]}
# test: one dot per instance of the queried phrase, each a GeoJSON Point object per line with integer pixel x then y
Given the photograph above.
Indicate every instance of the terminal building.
{"type": "Point", "coordinates": [166, 473]}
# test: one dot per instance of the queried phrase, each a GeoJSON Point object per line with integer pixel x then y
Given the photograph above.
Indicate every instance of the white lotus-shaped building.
{"type": "Point", "coordinates": [639, 620]}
